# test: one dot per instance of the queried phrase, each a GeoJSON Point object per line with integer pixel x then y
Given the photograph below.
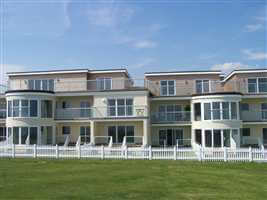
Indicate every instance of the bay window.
{"type": "Point", "coordinates": [167, 88]}
{"type": "Point", "coordinates": [218, 137]}
{"type": "Point", "coordinates": [22, 108]}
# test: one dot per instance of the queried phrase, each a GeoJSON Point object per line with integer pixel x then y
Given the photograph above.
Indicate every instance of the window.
{"type": "Point", "coordinates": [22, 108]}
{"type": "Point", "coordinates": [233, 110]}
{"type": "Point", "coordinates": [208, 138]}
{"type": "Point", "coordinates": [46, 109]}
{"type": "Point", "coordinates": [85, 133]}
{"type": "Point", "coordinates": [198, 136]}
{"type": "Point", "coordinates": [245, 132]}
{"type": "Point", "coordinates": [46, 84]}
{"type": "Point", "coordinates": [202, 86]}
{"type": "Point", "coordinates": [120, 107]}
{"type": "Point", "coordinates": [197, 109]}
{"type": "Point", "coordinates": [252, 85]}
{"type": "Point", "coordinates": [225, 110]}
{"type": "Point", "coordinates": [66, 104]}
{"type": "Point", "coordinates": [217, 140]}
{"type": "Point", "coordinates": [264, 111]}
{"type": "Point", "coordinates": [170, 112]}
{"type": "Point", "coordinates": [244, 107]}
{"type": "Point", "coordinates": [167, 88]}
{"type": "Point", "coordinates": [170, 136]}
{"type": "Point", "coordinates": [119, 132]}
{"type": "Point", "coordinates": [216, 114]}
{"type": "Point", "coordinates": [104, 83]}
{"type": "Point", "coordinates": [2, 134]}
{"type": "Point", "coordinates": [24, 135]}
{"type": "Point", "coordinates": [226, 137]}
{"type": "Point", "coordinates": [85, 109]}
{"type": "Point", "coordinates": [257, 85]}
{"type": "Point", "coordinates": [262, 84]}
{"type": "Point", "coordinates": [65, 130]}
{"type": "Point", "coordinates": [207, 111]}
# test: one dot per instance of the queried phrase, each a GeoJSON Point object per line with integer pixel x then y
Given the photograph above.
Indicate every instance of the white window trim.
{"type": "Point", "coordinates": [106, 78]}
{"type": "Point", "coordinates": [19, 143]}
{"type": "Point", "coordinates": [20, 108]}
{"type": "Point", "coordinates": [168, 94]}
{"type": "Point", "coordinates": [202, 85]}
{"type": "Point", "coordinates": [173, 129]}
{"type": "Point", "coordinates": [41, 85]}
{"type": "Point", "coordinates": [257, 85]}
{"type": "Point", "coordinates": [166, 112]}
{"type": "Point", "coordinates": [116, 107]}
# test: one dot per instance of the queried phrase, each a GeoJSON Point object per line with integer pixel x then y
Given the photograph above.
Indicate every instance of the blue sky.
{"type": "Point", "coordinates": [139, 35]}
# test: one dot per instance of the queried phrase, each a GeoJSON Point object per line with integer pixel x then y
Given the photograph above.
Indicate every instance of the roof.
{"type": "Point", "coordinates": [122, 70]}
{"type": "Point", "coordinates": [244, 71]}
{"type": "Point", "coordinates": [182, 73]}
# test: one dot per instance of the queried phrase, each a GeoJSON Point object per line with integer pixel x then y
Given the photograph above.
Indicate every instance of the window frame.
{"type": "Point", "coordinates": [104, 79]}
{"type": "Point", "coordinates": [257, 85]}
{"type": "Point", "coordinates": [48, 82]}
{"type": "Point", "coordinates": [117, 107]}
{"type": "Point", "coordinates": [19, 107]}
{"type": "Point", "coordinates": [167, 86]}
{"type": "Point", "coordinates": [116, 141]}
{"type": "Point", "coordinates": [202, 85]}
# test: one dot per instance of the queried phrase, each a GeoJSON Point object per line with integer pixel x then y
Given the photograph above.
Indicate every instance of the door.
{"type": "Point", "coordinates": [264, 133]}
{"type": "Point", "coordinates": [169, 137]}
{"type": "Point", "coordinates": [198, 137]}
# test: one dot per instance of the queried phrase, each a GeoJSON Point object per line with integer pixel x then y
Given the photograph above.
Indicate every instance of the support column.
{"type": "Point", "coordinates": [39, 136]}
{"type": "Point", "coordinates": [54, 135]}
{"type": "Point", "coordinates": [92, 130]}
{"type": "Point", "coordinates": [145, 132]}
{"type": "Point", "coordinates": [203, 138]}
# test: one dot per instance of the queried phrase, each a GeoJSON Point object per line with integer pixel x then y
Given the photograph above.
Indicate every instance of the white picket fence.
{"type": "Point", "coordinates": [148, 153]}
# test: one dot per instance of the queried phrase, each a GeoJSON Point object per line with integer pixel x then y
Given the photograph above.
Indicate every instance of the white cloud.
{"type": "Point", "coordinates": [252, 55]}
{"type": "Point", "coordinates": [144, 63]}
{"type": "Point", "coordinates": [254, 27]}
{"type": "Point", "coordinates": [144, 44]}
{"type": "Point", "coordinates": [229, 66]}
{"type": "Point", "coordinates": [261, 18]}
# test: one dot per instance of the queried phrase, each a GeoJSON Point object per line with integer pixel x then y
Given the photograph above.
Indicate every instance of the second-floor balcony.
{"type": "Point", "coordinates": [171, 118]}
{"type": "Point", "coordinates": [101, 112]}
{"type": "Point", "coordinates": [254, 116]}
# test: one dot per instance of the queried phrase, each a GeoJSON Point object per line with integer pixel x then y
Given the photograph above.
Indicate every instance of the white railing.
{"type": "Point", "coordinates": [102, 140]}
{"type": "Point", "coordinates": [149, 153]}
{"type": "Point", "coordinates": [183, 143]}
{"type": "Point", "coordinates": [78, 143]}
{"type": "Point", "coordinates": [171, 117]}
{"type": "Point", "coordinates": [67, 141]}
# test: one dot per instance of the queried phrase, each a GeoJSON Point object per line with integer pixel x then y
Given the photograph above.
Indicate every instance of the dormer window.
{"type": "Point", "coordinates": [202, 86]}
{"type": "Point", "coordinates": [167, 88]}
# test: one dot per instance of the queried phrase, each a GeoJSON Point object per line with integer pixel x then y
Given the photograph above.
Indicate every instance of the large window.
{"type": "Point", "coordinates": [46, 84]}
{"type": "Point", "coordinates": [170, 136]}
{"type": "Point", "coordinates": [172, 112]}
{"type": "Point", "coordinates": [25, 135]}
{"type": "Point", "coordinates": [264, 111]}
{"type": "Point", "coordinates": [119, 132]}
{"type": "Point", "coordinates": [2, 134]}
{"type": "Point", "coordinates": [220, 111]}
{"type": "Point", "coordinates": [256, 85]}
{"type": "Point", "coordinates": [120, 107]}
{"type": "Point", "coordinates": [46, 109]}
{"type": "Point", "coordinates": [167, 88]}
{"type": "Point", "coordinates": [22, 108]}
{"type": "Point", "coordinates": [2, 110]}
{"type": "Point", "coordinates": [104, 83]}
{"type": "Point", "coordinates": [219, 137]}
{"type": "Point", "coordinates": [202, 86]}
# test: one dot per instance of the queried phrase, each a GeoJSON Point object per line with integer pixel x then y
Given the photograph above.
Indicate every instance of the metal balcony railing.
{"type": "Point", "coordinates": [2, 113]}
{"type": "Point", "coordinates": [171, 117]}
{"type": "Point", "coordinates": [254, 116]}
{"type": "Point", "coordinates": [74, 113]}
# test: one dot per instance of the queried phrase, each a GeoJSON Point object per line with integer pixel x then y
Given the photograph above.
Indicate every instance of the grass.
{"type": "Point", "coordinates": [142, 180]}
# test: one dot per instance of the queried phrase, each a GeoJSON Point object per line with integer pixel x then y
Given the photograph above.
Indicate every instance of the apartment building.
{"type": "Point", "coordinates": [109, 107]}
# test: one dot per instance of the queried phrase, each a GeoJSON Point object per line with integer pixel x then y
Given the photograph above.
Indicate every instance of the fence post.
{"type": "Point", "coordinates": [250, 154]}
{"type": "Point", "coordinates": [13, 151]}
{"type": "Point", "coordinates": [102, 152]}
{"type": "Point", "coordinates": [150, 153]}
{"type": "Point", "coordinates": [224, 154]}
{"type": "Point", "coordinates": [57, 156]}
{"type": "Point", "coordinates": [174, 153]}
{"type": "Point", "coordinates": [263, 157]}
{"type": "Point", "coordinates": [126, 153]}
{"type": "Point", "coordinates": [34, 151]}
{"type": "Point", "coordinates": [200, 154]}
{"type": "Point", "coordinates": [79, 152]}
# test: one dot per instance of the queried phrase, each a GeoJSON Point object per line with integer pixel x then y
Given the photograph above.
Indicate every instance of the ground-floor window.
{"type": "Point", "coordinates": [170, 137]}
{"type": "Point", "coordinates": [119, 132]}
{"type": "Point", "coordinates": [2, 134]}
{"type": "Point", "coordinates": [215, 137]}
{"type": "Point", "coordinates": [46, 134]}
{"type": "Point", "coordinates": [25, 135]}
{"type": "Point", "coordinates": [85, 133]}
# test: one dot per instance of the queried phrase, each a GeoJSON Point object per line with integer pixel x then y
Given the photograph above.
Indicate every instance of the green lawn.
{"type": "Point", "coordinates": [110, 179]}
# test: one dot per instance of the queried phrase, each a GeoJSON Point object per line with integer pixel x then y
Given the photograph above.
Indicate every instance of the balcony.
{"type": "Point", "coordinates": [3, 89]}
{"type": "Point", "coordinates": [171, 118]}
{"type": "Point", "coordinates": [100, 112]}
{"type": "Point", "coordinates": [254, 116]}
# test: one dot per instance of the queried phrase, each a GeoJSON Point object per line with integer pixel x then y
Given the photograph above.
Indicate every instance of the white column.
{"type": "Point", "coordinates": [92, 129]}
{"type": "Point", "coordinates": [39, 135]}
{"type": "Point", "coordinates": [145, 132]}
{"type": "Point", "coordinates": [203, 138]}
{"type": "Point", "coordinates": [222, 145]}
{"type": "Point", "coordinates": [54, 135]}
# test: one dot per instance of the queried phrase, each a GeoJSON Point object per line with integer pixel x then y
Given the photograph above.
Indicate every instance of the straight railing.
{"type": "Point", "coordinates": [125, 153]}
